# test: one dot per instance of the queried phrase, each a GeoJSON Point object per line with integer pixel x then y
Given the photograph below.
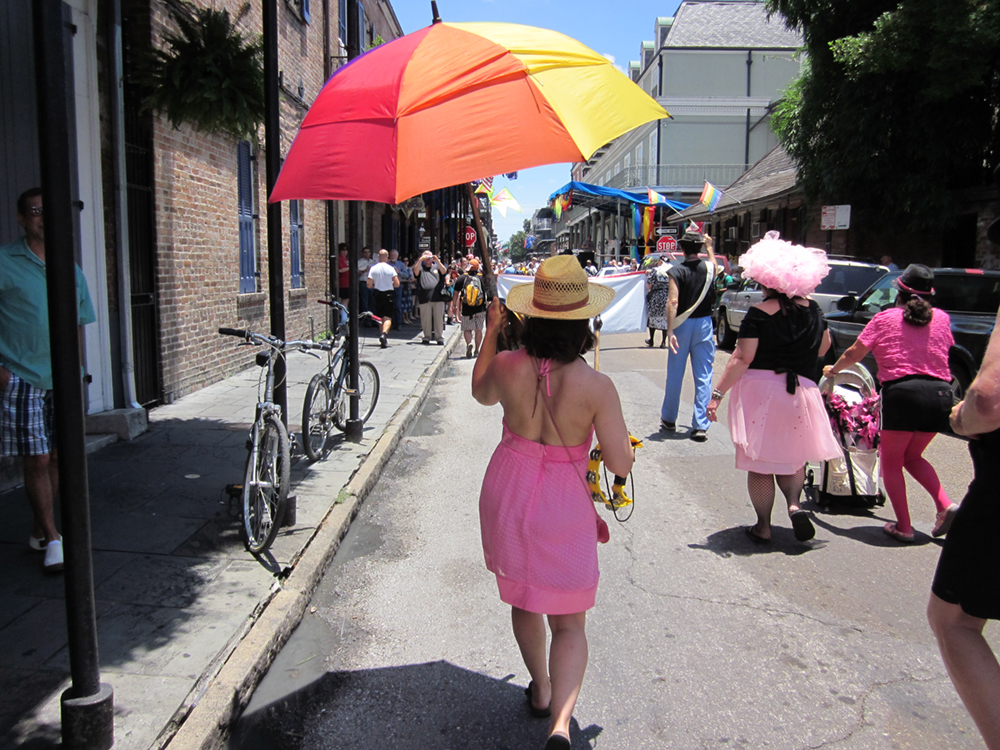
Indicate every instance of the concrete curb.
{"type": "Point", "coordinates": [207, 725]}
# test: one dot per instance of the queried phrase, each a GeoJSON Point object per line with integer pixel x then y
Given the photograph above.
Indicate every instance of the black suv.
{"type": "Point", "coordinates": [970, 296]}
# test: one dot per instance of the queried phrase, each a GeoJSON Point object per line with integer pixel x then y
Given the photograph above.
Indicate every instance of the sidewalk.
{"type": "Point", "coordinates": [187, 619]}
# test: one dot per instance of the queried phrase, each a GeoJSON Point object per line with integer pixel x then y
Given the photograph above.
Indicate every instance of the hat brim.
{"type": "Point", "coordinates": [520, 299]}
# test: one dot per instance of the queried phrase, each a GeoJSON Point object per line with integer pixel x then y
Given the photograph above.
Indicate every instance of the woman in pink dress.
{"type": "Point", "coordinates": [539, 526]}
{"type": "Point", "coordinates": [910, 342]}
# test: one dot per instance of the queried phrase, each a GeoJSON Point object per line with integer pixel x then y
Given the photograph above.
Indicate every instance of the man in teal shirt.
{"type": "Point", "coordinates": [26, 370]}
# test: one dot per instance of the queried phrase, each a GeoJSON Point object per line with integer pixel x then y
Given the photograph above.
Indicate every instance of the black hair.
{"type": "Point", "coordinates": [917, 310]}
{"type": "Point", "coordinates": [23, 198]}
{"type": "Point", "coordinates": [561, 340]}
{"type": "Point", "coordinates": [785, 303]}
{"type": "Point", "coordinates": [690, 247]}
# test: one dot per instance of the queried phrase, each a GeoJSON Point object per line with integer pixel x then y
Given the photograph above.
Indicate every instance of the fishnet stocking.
{"type": "Point", "coordinates": [761, 490]}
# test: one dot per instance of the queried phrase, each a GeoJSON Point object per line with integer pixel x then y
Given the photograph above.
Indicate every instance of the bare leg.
{"type": "Point", "coordinates": [41, 491]}
{"type": "Point", "coordinates": [761, 489]}
{"type": "Point", "coordinates": [971, 664]}
{"type": "Point", "coordinates": [479, 340]}
{"type": "Point", "coordinates": [567, 665]}
{"type": "Point", "coordinates": [386, 325]}
{"type": "Point", "coordinates": [529, 631]}
{"type": "Point", "coordinates": [791, 487]}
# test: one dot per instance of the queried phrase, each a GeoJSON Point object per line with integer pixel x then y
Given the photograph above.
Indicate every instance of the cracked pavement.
{"type": "Point", "coordinates": [699, 638]}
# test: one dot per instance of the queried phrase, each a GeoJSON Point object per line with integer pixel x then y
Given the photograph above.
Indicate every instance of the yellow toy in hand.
{"type": "Point", "coordinates": [618, 497]}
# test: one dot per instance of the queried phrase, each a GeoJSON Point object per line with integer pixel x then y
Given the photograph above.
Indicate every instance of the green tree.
{"type": "Point", "coordinates": [896, 106]}
{"type": "Point", "coordinates": [515, 245]}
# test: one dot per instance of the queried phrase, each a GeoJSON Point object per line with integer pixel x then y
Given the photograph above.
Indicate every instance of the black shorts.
{"type": "Point", "coordinates": [384, 303]}
{"type": "Point", "coordinates": [916, 403]}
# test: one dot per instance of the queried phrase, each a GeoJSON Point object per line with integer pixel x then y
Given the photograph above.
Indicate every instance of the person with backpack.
{"type": "Point", "coordinates": [470, 292]}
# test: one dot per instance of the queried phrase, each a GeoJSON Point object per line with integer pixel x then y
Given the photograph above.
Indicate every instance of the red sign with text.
{"type": "Point", "coordinates": [470, 236]}
{"type": "Point", "coordinates": [666, 244]}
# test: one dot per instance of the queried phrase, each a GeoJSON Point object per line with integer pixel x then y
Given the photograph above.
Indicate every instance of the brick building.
{"type": "Point", "coordinates": [172, 222]}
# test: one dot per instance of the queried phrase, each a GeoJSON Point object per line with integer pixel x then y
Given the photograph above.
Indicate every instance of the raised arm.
{"type": "Point", "coordinates": [486, 379]}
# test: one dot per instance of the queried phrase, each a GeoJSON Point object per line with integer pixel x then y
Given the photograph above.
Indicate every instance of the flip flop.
{"type": "Point", "coordinates": [538, 713]}
{"type": "Point", "coordinates": [754, 538]}
{"type": "Point", "coordinates": [802, 526]}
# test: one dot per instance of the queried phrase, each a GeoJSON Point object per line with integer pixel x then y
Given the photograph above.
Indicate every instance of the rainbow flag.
{"type": "Point", "coordinates": [654, 197]}
{"type": "Point", "coordinates": [711, 196]}
{"type": "Point", "coordinates": [647, 223]}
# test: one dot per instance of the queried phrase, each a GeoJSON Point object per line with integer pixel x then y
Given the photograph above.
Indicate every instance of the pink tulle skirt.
{"type": "Point", "coordinates": [774, 431]}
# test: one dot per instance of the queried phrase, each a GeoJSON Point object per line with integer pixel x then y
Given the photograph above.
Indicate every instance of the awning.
{"type": "Point", "coordinates": [605, 198]}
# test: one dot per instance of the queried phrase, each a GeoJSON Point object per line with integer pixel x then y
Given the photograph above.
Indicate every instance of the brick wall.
{"type": "Point", "coordinates": [196, 218]}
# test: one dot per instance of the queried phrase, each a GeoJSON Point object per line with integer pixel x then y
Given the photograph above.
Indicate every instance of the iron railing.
{"type": "Point", "coordinates": [675, 176]}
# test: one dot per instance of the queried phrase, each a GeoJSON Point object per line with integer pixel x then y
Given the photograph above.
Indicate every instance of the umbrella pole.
{"type": "Point", "coordinates": [491, 282]}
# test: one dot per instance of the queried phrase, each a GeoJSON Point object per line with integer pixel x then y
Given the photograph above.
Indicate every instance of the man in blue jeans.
{"type": "Point", "coordinates": [690, 333]}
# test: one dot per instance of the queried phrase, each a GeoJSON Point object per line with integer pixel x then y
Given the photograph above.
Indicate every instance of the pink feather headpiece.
{"type": "Point", "coordinates": [790, 269]}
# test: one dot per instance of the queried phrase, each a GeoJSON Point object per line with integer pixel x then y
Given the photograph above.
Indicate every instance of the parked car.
{"type": "Point", "coordinates": [970, 296]}
{"type": "Point", "coordinates": [846, 277]}
{"type": "Point", "coordinates": [615, 271]}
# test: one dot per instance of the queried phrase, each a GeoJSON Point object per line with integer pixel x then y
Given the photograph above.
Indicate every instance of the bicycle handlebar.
{"type": "Point", "coordinates": [242, 334]}
{"type": "Point", "coordinates": [331, 303]}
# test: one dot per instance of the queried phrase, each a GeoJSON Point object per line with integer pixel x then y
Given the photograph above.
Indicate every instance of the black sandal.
{"type": "Point", "coordinates": [558, 742]}
{"type": "Point", "coordinates": [802, 526]}
{"type": "Point", "coordinates": [754, 538]}
{"type": "Point", "coordinates": [538, 713]}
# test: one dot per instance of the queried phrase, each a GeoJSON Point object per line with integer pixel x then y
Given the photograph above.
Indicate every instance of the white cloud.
{"type": "Point", "coordinates": [611, 59]}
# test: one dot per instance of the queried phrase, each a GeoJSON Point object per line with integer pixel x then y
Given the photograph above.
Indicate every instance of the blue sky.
{"type": "Point", "coordinates": [614, 29]}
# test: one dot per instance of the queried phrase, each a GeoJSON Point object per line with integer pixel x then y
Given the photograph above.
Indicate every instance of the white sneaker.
{"type": "Point", "coordinates": [36, 543]}
{"type": "Point", "coordinates": [54, 557]}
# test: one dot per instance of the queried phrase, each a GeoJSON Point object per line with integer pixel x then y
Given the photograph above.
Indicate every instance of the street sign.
{"type": "Point", "coordinates": [470, 236]}
{"type": "Point", "coordinates": [666, 244]}
{"type": "Point", "coordinates": [661, 231]}
{"type": "Point", "coordinates": [835, 217]}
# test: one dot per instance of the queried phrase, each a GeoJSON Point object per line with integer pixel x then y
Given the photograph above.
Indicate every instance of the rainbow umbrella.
{"type": "Point", "coordinates": [452, 102]}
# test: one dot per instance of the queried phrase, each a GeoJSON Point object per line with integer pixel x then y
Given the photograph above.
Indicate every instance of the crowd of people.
{"type": "Point", "coordinates": [539, 525]}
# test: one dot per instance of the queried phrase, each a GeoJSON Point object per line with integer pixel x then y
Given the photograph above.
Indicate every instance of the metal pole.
{"type": "Point", "coordinates": [354, 426]}
{"type": "Point", "coordinates": [272, 145]}
{"type": "Point", "coordinates": [88, 705]}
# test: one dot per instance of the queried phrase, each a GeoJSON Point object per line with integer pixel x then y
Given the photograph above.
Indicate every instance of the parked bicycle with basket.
{"type": "Point", "coordinates": [327, 402]}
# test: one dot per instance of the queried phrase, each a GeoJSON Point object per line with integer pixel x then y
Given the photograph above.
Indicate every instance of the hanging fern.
{"type": "Point", "coordinates": [209, 75]}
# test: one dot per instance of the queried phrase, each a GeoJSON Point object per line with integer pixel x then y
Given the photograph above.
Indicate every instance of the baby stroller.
{"type": "Point", "coordinates": [855, 411]}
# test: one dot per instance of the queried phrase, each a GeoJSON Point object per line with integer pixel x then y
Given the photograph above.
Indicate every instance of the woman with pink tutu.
{"type": "Point", "coordinates": [539, 526]}
{"type": "Point", "coordinates": [776, 414]}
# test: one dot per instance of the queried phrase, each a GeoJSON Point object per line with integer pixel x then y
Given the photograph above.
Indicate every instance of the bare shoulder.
{"type": "Point", "coordinates": [769, 306]}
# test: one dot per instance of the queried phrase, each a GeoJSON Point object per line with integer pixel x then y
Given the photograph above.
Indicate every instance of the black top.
{"type": "Point", "coordinates": [786, 342]}
{"type": "Point", "coordinates": [690, 278]}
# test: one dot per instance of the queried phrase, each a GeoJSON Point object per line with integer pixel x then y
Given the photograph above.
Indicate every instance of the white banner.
{"type": "Point", "coordinates": [625, 314]}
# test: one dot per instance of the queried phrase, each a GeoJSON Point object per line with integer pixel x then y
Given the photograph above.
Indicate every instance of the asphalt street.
{"type": "Point", "coordinates": [699, 638]}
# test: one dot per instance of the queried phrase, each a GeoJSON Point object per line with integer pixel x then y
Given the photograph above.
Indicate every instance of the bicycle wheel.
{"type": "Point", "coordinates": [316, 417]}
{"type": "Point", "coordinates": [265, 486]}
{"type": "Point", "coordinates": [368, 388]}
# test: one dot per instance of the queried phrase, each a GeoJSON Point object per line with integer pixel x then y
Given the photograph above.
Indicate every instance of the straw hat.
{"type": "Point", "coordinates": [560, 291]}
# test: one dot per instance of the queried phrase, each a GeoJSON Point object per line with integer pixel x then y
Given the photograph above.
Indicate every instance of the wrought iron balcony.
{"type": "Point", "coordinates": [671, 177]}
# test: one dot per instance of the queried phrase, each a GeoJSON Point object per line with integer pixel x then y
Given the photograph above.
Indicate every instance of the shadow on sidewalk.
{"type": "Point", "coordinates": [172, 579]}
{"type": "Point", "coordinates": [430, 706]}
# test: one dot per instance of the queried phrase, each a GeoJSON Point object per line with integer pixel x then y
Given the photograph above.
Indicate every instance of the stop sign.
{"type": "Point", "coordinates": [666, 244]}
{"type": "Point", "coordinates": [470, 236]}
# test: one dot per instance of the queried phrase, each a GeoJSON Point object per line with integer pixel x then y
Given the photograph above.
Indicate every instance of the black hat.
{"type": "Point", "coordinates": [916, 279]}
{"type": "Point", "coordinates": [691, 242]}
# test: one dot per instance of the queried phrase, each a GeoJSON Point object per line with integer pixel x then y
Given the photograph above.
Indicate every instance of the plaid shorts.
{"type": "Point", "coordinates": [26, 427]}
{"type": "Point", "coordinates": [475, 322]}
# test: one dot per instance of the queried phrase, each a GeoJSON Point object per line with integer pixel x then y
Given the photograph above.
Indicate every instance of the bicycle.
{"type": "Point", "coordinates": [264, 493]}
{"type": "Point", "coordinates": [326, 405]}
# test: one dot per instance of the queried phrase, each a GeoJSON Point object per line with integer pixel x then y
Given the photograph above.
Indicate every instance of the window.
{"type": "Point", "coordinates": [638, 156]}
{"type": "Point", "coordinates": [628, 161]}
{"type": "Point", "coordinates": [244, 206]}
{"type": "Point", "coordinates": [295, 243]}
{"type": "Point", "coordinates": [305, 10]}
{"type": "Point", "coordinates": [652, 148]}
{"type": "Point", "coordinates": [618, 169]}
{"type": "Point", "coordinates": [342, 21]}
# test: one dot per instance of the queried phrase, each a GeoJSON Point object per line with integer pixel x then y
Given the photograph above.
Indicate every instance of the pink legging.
{"type": "Point", "coordinates": [904, 450]}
